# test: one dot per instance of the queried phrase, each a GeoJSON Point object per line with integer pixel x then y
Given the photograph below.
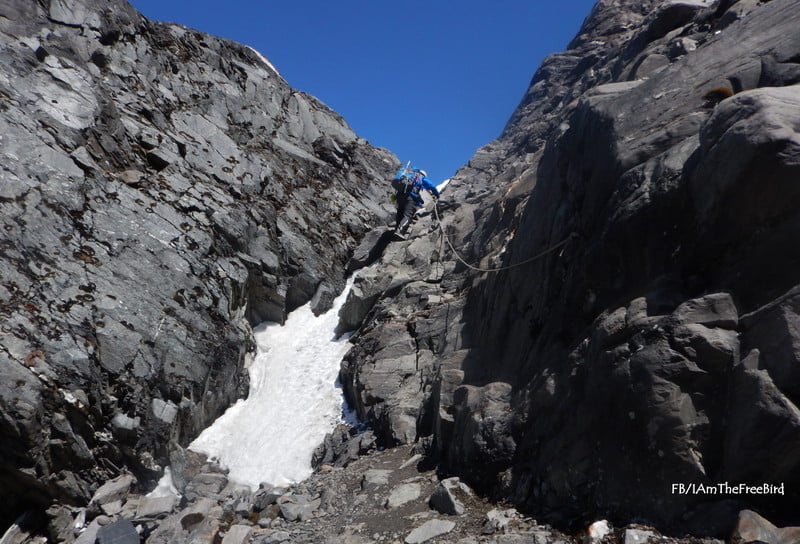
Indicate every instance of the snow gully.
{"type": "Point", "coordinates": [294, 401]}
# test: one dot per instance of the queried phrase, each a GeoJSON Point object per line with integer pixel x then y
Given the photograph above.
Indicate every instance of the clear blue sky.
{"type": "Point", "coordinates": [431, 80]}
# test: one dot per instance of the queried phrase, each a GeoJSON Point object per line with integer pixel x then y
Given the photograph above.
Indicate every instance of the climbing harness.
{"type": "Point", "coordinates": [562, 243]}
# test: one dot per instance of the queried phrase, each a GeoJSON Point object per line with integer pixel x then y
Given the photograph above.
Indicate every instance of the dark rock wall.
{"type": "Point", "coordinates": [161, 190]}
{"type": "Point", "coordinates": [659, 345]}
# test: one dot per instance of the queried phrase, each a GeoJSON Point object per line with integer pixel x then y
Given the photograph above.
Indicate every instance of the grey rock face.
{"type": "Point", "coordinates": [161, 191]}
{"type": "Point", "coordinates": [655, 344]}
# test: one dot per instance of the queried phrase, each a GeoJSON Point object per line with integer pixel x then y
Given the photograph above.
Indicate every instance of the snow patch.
{"type": "Point", "coordinates": [165, 487]}
{"type": "Point", "coordinates": [293, 401]}
{"type": "Point", "coordinates": [265, 61]}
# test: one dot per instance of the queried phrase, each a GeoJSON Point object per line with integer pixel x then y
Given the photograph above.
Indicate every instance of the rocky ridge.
{"type": "Point", "coordinates": [162, 190]}
{"type": "Point", "coordinates": [653, 345]}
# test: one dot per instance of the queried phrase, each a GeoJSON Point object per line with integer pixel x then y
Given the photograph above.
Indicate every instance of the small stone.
{"type": "Point", "coordinates": [522, 538]}
{"type": "Point", "coordinates": [681, 46]}
{"type": "Point", "coordinates": [276, 537]}
{"type": "Point", "coordinates": [598, 530]}
{"type": "Point", "coordinates": [165, 411]}
{"type": "Point", "coordinates": [403, 494]}
{"type": "Point", "coordinates": [155, 506]}
{"type": "Point", "coordinates": [638, 536]}
{"type": "Point", "coordinates": [428, 530]}
{"type": "Point", "coordinates": [713, 310]}
{"type": "Point", "coordinates": [205, 485]}
{"type": "Point", "coordinates": [60, 522]}
{"type": "Point", "coordinates": [129, 507]}
{"type": "Point", "coordinates": [113, 490]}
{"type": "Point", "coordinates": [498, 520]}
{"type": "Point", "coordinates": [266, 497]}
{"type": "Point", "coordinates": [243, 508]}
{"type": "Point", "coordinates": [119, 532]}
{"type": "Point", "coordinates": [84, 160]}
{"type": "Point", "coordinates": [237, 534]}
{"type": "Point", "coordinates": [112, 508]}
{"type": "Point", "coordinates": [89, 534]}
{"type": "Point", "coordinates": [375, 478]}
{"type": "Point", "coordinates": [411, 461]}
{"type": "Point", "coordinates": [297, 507]}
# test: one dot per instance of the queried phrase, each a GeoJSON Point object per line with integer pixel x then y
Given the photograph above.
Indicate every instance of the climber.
{"type": "Point", "coordinates": [408, 183]}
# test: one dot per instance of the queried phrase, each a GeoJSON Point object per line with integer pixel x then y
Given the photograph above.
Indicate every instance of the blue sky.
{"type": "Point", "coordinates": [430, 80]}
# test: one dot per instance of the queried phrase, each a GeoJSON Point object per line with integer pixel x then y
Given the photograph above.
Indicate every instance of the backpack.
{"type": "Point", "coordinates": [404, 181]}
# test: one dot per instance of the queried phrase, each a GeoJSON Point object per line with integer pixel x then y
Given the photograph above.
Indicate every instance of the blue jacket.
{"type": "Point", "coordinates": [417, 183]}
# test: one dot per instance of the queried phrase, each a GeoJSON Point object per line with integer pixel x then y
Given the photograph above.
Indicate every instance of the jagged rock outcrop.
{"type": "Point", "coordinates": [161, 190]}
{"type": "Point", "coordinates": [656, 344]}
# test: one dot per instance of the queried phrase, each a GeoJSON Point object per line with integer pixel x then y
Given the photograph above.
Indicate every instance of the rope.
{"type": "Point", "coordinates": [508, 267]}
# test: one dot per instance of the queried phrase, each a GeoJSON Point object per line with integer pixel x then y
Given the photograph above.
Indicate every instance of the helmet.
{"type": "Point", "coordinates": [424, 173]}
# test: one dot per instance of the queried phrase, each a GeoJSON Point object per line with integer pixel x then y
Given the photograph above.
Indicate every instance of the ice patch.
{"type": "Point", "coordinates": [293, 402]}
{"type": "Point", "coordinates": [165, 487]}
{"type": "Point", "coordinates": [265, 61]}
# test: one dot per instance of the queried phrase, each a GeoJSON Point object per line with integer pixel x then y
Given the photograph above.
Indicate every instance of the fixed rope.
{"type": "Point", "coordinates": [562, 243]}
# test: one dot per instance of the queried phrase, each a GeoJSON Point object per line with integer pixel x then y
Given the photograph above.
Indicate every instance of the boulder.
{"type": "Point", "coordinates": [449, 496]}
{"type": "Point", "coordinates": [113, 491]}
{"type": "Point", "coordinates": [156, 506]}
{"type": "Point", "coordinates": [485, 444]}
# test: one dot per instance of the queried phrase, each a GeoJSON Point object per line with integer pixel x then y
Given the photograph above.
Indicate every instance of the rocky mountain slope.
{"type": "Point", "coordinates": [655, 344]}
{"type": "Point", "coordinates": [161, 191]}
